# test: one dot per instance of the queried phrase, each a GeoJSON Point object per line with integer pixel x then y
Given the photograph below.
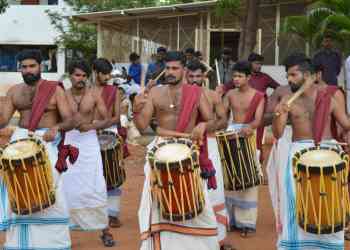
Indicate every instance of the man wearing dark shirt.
{"type": "Point", "coordinates": [259, 80]}
{"type": "Point", "coordinates": [330, 59]}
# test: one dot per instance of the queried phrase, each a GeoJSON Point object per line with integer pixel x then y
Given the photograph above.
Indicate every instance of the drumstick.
{"type": "Point", "coordinates": [296, 95]}
{"type": "Point", "coordinates": [160, 75]}
{"type": "Point", "coordinates": [142, 80]}
{"type": "Point", "coordinates": [217, 71]}
{"type": "Point", "coordinates": [207, 66]}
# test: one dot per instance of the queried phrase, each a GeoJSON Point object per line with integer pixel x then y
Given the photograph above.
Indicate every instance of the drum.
{"type": "Point", "coordinates": [322, 197]}
{"type": "Point", "coordinates": [27, 173]}
{"type": "Point", "coordinates": [112, 158]}
{"type": "Point", "coordinates": [239, 161]}
{"type": "Point", "coordinates": [175, 179]}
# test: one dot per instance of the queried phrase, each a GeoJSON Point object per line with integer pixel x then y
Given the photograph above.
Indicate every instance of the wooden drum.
{"type": "Point", "coordinates": [239, 162]}
{"type": "Point", "coordinates": [175, 180]}
{"type": "Point", "coordinates": [26, 170]}
{"type": "Point", "coordinates": [322, 197]}
{"type": "Point", "coordinates": [112, 158]}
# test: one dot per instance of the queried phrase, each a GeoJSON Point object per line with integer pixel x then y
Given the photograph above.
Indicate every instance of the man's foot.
{"type": "Point", "coordinates": [114, 222]}
{"type": "Point", "coordinates": [347, 235]}
{"type": "Point", "coordinates": [107, 239]}
{"type": "Point", "coordinates": [227, 247]}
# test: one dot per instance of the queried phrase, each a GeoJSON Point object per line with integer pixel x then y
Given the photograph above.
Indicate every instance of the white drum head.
{"type": "Point", "coordinates": [320, 158]}
{"type": "Point", "coordinates": [20, 150]}
{"type": "Point", "coordinates": [172, 152]}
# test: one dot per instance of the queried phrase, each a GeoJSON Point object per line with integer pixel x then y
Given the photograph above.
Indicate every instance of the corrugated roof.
{"type": "Point", "coordinates": [94, 17]}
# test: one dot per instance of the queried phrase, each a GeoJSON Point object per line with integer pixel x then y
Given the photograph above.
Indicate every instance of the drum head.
{"type": "Point", "coordinates": [320, 158]}
{"type": "Point", "coordinates": [107, 141]}
{"type": "Point", "coordinates": [20, 149]}
{"type": "Point", "coordinates": [172, 152]}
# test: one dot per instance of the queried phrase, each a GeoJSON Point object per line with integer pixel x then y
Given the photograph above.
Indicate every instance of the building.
{"type": "Point", "coordinates": [25, 24]}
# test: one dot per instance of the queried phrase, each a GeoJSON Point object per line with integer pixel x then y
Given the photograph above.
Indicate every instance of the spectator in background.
{"type": "Point", "coordinates": [226, 64]}
{"type": "Point", "coordinates": [198, 55]}
{"type": "Point", "coordinates": [259, 80]}
{"type": "Point", "coordinates": [114, 64]}
{"type": "Point", "coordinates": [330, 59]}
{"type": "Point", "coordinates": [189, 54]}
{"type": "Point", "coordinates": [155, 68]}
{"type": "Point", "coordinates": [135, 69]}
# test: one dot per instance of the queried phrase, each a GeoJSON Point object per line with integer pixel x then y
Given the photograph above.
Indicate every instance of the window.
{"type": "Point", "coordinates": [8, 57]}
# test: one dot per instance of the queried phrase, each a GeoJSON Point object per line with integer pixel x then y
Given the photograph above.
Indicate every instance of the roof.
{"type": "Point", "coordinates": [148, 12]}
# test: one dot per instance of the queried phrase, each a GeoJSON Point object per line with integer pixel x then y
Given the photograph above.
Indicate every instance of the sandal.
{"type": "Point", "coordinates": [107, 239]}
{"type": "Point", "coordinates": [244, 232]}
{"type": "Point", "coordinates": [114, 222]}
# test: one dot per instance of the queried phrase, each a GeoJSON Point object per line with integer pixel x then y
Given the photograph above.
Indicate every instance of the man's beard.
{"type": "Point", "coordinates": [171, 80]}
{"type": "Point", "coordinates": [200, 84]}
{"type": "Point", "coordinates": [80, 84]}
{"type": "Point", "coordinates": [30, 79]}
{"type": "Point", "coordinates": [294, 87]}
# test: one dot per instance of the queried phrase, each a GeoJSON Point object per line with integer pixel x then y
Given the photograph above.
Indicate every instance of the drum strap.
{"type": "Point", "coordinates": [109, 95]}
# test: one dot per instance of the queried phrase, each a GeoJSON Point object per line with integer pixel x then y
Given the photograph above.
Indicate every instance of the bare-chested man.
{"type": "Point", "coordinates": [111, 97]}
{"type": "Point", "coordinates": [44, 110]}
{"type": "Point", "coordinates": [85, 186]}
{"type": "Point", "coordinates": [175, 120]}
{"type": "Point", "coordinates": [311, 124]}
{"type": "Point", "coordinates": [247, 107]}
{"type": "Point", "coordinates": [196, 75]}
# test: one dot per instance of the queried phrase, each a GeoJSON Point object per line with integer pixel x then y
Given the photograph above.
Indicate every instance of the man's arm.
{"type": "Point", "coordinates": [64, 110]}
{"type": "Point", "coordinates": [279, 121]}
{"type": "Point", "coordinates": [259, 113]}
{"type": "Point", "coordinates": [115, 119]}
{"type": "Point", "coordinates": [339, 111]}
{"type": "Point", "coordinates": [221, 113]}
{"type": "Point", "coordinates": [102, 110]}
{"type": "Point", "coordinates": [272, 83]}
{"type": "Point", "coordinates": [171, 133]}
{"type": "Point", "coordinates": [143, 110]}
{"type": "Point", "coordinates": [206, 113]}
{"type": "Point", "coordinates": [270, 107]}
{"type": "Point", "coordinates": [7, 109]}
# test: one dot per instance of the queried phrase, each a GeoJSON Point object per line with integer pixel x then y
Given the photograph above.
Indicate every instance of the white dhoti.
{"type": "Point", "coordinates": [242, 206]}
{"type": "Point", "coordinates": [199, 233]}
{"type": "Point", "coordinates": [292, 236]}
{"type": "Point", "coordinates": [84, 184]}
{"type": "Point", "coordinates": [114, 195]}
{"type": "Point", "coordinates": [217, 196]}
{"type": "Point", "coordinates": [48, 229]}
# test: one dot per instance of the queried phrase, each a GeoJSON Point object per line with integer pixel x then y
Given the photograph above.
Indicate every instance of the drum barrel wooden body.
{"type": "Point", "coordinates": [322, 197]}
{"type": "Point", "coordinates": [29, 179]}
{"type": "Point", "coordinates": [239, 162]}
{"type": "Point", "coordinates": [112, 158]}
{"type": "Point", "coordinates": [176, 184]}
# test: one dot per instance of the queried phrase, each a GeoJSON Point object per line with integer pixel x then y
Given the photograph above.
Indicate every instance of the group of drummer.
{"type": "Point", "coordinates": [202, 170]}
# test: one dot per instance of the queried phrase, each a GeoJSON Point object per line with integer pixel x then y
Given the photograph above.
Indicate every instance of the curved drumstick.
{"type": "Point", "coordinates": [160, 75]}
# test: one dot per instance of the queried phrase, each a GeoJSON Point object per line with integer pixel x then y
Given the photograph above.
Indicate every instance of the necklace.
{"type": "Point", "coordinates": [172, 105]}
{"type": "Point", "coordinates": [77, 102]}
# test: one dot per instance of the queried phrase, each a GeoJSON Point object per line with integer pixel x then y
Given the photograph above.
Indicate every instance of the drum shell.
{"type": "Point", "coordinates": [112, 159]}
{"type": "Point", "coordinates": [180, 184]}
{"type": "Point", "coordinates": [239, 162]}
{"type": "Point", "coordinates": [322, 195]}
{"type": "Point", "coordinates": [29, 181]}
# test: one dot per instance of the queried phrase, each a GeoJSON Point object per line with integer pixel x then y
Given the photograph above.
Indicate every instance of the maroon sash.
{"type": "Point", "coordinates": [190, 100]}
{"type": "Point", "coordinates": [322, 109]}
{"type": "Point", "coordinates": [41, 99]}
{"type": "Point", "coordinates": [109, 93]}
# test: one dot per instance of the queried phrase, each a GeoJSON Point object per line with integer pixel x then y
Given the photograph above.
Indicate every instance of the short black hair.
{"type": "Point", "coordinates": [254, 57]}
{"type": "Point", "coordinates": [243, 67]}
{"type": "Point", "coordinates": [318, 67]}
{"type": "Point", "coordinates": [79, 64]}
{"type": "Point", "coordinates": [133, 56]}
{"type": "Point", "coordinates": [161, 49]}
{"type": "Point", "coordinates": [195, 65]}
{"type": "Point", "coordinates": [299, 59]}
{"type": "Point", "coordinates": [102, 65]}
{"type": "Point", "coordinates": [189, 51]}
{"type": "Point", "coordinates": [197, 53]}
{"type": "Point", "coordinates": [34, 54]}
{"type": "Point", "coordinates": [175, 56]}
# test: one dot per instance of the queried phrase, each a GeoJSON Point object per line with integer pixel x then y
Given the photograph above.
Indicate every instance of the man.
{"type": "Point", "coordinates": [44, 111]}
{"type": "Point", "coordinates": [330, 59]}
{"type": "Point", "coordinates": [189, 54]}
{"type": "Point", "coordinates": [154, 69]}
{"type": "Point", "coordinates": [196, 76]}
{"type": "Point", "coordinates": [176, 106]}
{"type": "Point", "coordinates": [135, 69]}
{"type": "Point", "coordinates": [111, 98]}
{"type": "Point", "coordinates": [247, 107]}
{"type": "Point", "coordinates": [225, 66]}
{"type": "Point", "coordinates": [84, 183]}
{"type": "Point", "coordinates": [309, 116]}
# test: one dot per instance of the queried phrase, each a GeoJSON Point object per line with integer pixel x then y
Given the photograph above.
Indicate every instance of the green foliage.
{"type": "Point", "coordinates": [3, 6]}
{"type": "Point", "coordinates": [227, 7]}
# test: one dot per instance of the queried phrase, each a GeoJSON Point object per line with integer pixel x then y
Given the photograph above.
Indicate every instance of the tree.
{"type": "Point", "coordinates": [3, 6]}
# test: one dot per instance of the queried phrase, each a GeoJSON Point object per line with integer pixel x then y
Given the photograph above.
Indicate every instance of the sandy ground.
{"type": "Point", "coordinates": [128, 235]}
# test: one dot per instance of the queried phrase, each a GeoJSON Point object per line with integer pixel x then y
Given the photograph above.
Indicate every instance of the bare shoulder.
{"type": "Point", "coordinates": [157, 91]}
{"type": "Point", "coordinates": [214, 96]}
{"type": "Point", "coordinates": [231, 93]}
